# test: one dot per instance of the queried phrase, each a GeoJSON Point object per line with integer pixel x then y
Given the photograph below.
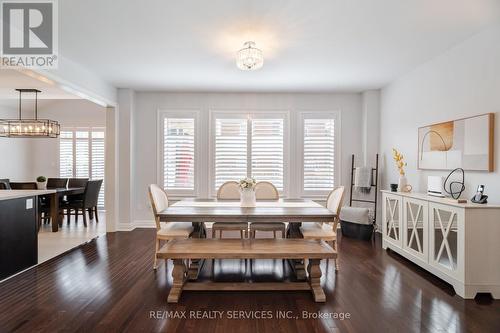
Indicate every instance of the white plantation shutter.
{"type": "Point", "coordinates": [178, 153]}
{"type": "Point", "coordinates": [82, 154]}
{"type": "Point", "coordinates": [319, 154]}
{"type": "Point", "coordinates": [267, 151]}
{"type": "Point", "coordinates": [97, 161]}
{"type": "Point", "coordinates": [230, 150]}
{"type": "Point", "coordinates": [66, 154]}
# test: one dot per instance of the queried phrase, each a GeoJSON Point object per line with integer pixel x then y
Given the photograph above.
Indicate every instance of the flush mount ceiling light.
{"type": "Point", "coordinates": [29, 128]}
{"type": "Point", "coordinates": [249, 58]}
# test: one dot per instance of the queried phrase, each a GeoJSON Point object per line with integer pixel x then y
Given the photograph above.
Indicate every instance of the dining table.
{"type": "Point", "coordinates": [293, 211]}
{"type": "Point", "coordinates": [55, 197]}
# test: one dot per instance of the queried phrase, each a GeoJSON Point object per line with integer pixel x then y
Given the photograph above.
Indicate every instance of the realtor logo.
{"type": "Point", "coordinates": [29, 33]}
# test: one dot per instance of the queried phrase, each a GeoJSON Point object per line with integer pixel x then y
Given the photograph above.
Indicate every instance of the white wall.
{"type": "Point", "coordinates": [15, 154]}
{"type": "Point", "coordinates": [465, 81]}
{"type": "Point", "coordinates": [25, 159]}
{"type": "Point", "coordinates": [147, 105]}
{"type": "Point", "coordinates": [126, 161]}
{"type": "Point", "coordinates": [69, 113]}
{"type": "Point", "coordinates": [371, 125]}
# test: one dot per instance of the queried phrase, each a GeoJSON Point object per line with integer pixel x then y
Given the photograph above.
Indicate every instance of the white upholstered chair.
{"type": "Point", "coordinates": [326, 231]}
{"type": "Point", "coordinates": [169, 230]}
{"type": "Point", "coordinates": [267, 191]}
{"type": "Point", "coordinates": [229, 191]}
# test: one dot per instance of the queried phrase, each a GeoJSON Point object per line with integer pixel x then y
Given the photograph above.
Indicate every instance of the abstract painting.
{"type": "Point", "coordinates": [463, 143]}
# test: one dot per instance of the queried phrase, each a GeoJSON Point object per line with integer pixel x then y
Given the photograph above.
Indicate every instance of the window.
{"type": "Point", "coordinates": [267, 151]}
{"type": "Point", "coordinates": [97, 160]}
{"type": "Point", "coordinates": [66, 157]}
{"type": "Point", "coordinates": [318, 154]}
{"type": "Point", "coordinates": [230, 150]}
{"type": "Point", "coordinates": [82, 167]}
{"type": "Point", "coordinates": [247, 146]}
{"type": "Point", "coordinates": [81, 155]}
{"type": "Point", "coordinates": [177, 152]}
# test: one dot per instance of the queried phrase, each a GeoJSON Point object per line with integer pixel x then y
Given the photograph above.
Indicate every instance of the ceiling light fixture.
{"type": "Point", "coordinates": [29, 128]}
{"type": "Point", "coordinates": [249, 58]}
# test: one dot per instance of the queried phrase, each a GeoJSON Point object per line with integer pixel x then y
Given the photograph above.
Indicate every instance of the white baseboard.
{"type": "Point", "coordinates": [125, 227]}
{"type": "Point", "coordinates": [144, 224]}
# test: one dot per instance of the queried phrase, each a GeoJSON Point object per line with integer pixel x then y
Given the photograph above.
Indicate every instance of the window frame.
{"type": "Point", "coordinates": [89, 130]}
{"type": "Point", "coordinates": [337, 178]}
{"type": "Point", "coordinates": [189, 114]}
{"type": "Point", "coordinates": [249, 115]}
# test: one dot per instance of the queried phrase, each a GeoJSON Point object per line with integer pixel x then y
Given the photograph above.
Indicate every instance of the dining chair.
{"type": "Point", "coordinates": [43, 204]}
{"type": "Point", "coordinates": [78, 182]}
{"type": "Point", "coordinates": [5, 184]}
{"type": "Point", "coordinates": [169, 230]}
{"type": "Point", "coordinates": [88, 202]}
{"type": "Point", "coordinates": [57, 183]}
{"type": "Point", "coordinates": [229, 191]}
{"type": "Point", "coordinates": [23, 186]}
{"type": "Point", "coordinates": [326, 231]}
{"type": "Point", "coordinates": [267, 191]}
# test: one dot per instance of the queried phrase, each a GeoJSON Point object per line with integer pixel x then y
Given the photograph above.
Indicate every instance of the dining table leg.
{"type": "Point", "coordinates": [298, 265]}
{"type": "Point", "coordinates": [197, 264]}
{"type": "Point", "coordinates": [54, 211]}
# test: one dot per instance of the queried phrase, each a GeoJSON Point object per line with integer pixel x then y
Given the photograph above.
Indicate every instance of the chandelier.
{"type": "Point", "coordinates": [29, 128]}
{"type": "Point", "coordinates": [249, 58]}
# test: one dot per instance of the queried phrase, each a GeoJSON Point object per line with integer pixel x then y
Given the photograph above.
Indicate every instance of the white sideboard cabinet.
{"type": "Point", "coordinates": [459, 243]}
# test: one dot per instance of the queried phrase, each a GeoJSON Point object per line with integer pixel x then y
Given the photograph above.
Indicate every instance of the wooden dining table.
{"type": "Point", "coordinates": [55, 197]}
{"type": "Point", "coordinates": [294, 211]}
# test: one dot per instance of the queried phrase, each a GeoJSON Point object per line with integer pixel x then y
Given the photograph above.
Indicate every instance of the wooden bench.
{"type": "Point", "coordinates": [181, 250]}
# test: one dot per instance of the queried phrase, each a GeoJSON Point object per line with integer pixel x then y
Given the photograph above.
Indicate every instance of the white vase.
{"type": "Point", "coordinates": [41, 185]}
{"type": "Point", "coordinates": [402, 184]}
{"type": "Point", "coordinates": [247, 198]}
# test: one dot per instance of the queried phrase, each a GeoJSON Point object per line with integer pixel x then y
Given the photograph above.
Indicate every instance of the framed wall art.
{"type": "Point", "coordinates": [465, 143]}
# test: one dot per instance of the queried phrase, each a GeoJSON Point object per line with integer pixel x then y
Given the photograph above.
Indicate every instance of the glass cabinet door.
{"type": "Point", "coordinates": [415, 227]}
{"type": "Point", "coordinates": [392, 218]}
{"type": "Point", "coordinates": [444, 237]}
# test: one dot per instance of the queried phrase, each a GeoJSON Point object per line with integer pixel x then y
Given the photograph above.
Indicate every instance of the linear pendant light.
{"type": "Point", "coordinates": [29, 128]}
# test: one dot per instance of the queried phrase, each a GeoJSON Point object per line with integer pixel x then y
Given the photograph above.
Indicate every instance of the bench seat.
{"type": "Point", "coordinates": [180, 250]}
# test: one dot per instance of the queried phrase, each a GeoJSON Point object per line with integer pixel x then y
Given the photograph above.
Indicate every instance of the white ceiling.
{"type": "Point", "coordinates": [12, 79]}
{"type": "Point", "coordinates": [314, 45]}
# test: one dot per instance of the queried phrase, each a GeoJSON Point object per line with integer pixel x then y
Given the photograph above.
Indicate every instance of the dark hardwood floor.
{"type": "Point", "coordinates": [108, 285]}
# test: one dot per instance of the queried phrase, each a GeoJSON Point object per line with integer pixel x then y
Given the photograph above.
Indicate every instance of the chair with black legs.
{"type": "Point", "coordinates": [53, 183]}
{"type": "Point", "coordinates": [23, 186]}
{"type": "Point", "coordinates": [88, 202]}
{"type": "Point", "coordinates": [78, 182]}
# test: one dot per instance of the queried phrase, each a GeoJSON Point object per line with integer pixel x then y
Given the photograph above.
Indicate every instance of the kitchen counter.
{"type": "Point", "coordinates": [18, 230]}
{"type": "Point", "coordinates": [14, 194]}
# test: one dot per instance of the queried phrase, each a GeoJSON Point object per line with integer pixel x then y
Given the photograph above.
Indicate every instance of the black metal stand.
{"type": "Point", "coordinates": [373, 184]}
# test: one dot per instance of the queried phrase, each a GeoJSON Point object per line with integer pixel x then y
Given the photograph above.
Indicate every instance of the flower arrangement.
{"type": "Point", "coordinates": [399, 159]}
{"type": "Point", "coordinates": [247, 183]}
